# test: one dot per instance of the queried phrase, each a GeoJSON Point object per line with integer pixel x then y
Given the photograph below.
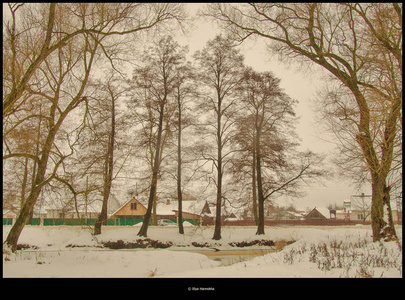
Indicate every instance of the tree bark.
{"type": "Point", "coordinates": [260, 225]}
{"type": "Point", "coordinates": [28, 206]}
{"type": "Point", "coordinates": [108, 172]}
{"type": "Point", "coordinates": [254, 186]}
{"type": "Point", "coordinates": [217, 230]}
{"type": "Point", "coordinates": [179, 193]}
{"type": "Point", "coordinates": [383, 227]}
{"type": "Point", "coordinates": [388, 232]}
{"type": "Point", "coordinates": [144, 229]}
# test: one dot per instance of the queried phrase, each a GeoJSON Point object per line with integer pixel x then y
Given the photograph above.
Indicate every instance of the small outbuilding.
{"type": "Point", "coordinates": [320, 213]}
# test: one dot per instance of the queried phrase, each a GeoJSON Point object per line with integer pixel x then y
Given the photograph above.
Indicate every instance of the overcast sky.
{"type": "Point", "coordinates": [299, 85]}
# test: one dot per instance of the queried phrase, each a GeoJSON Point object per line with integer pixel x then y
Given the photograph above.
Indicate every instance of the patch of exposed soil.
{"type": "Point", "coordinates": [140, 243]}
{"type": "Point", "coordinates": [269, 243]}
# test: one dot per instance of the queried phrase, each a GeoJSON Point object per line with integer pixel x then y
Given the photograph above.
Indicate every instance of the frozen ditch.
{"type": "Point", "coordinates": [230, 257]}
{"type": "Point", "coordinates": [226, 257]}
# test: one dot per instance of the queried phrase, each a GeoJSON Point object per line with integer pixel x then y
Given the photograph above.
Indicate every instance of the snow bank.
{"type": "Point", "coordinates": [54, 259]}
{"type": "Point", "coordinates": [103, 263]}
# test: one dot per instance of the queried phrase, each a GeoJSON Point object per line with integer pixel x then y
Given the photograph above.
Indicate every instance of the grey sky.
{"type": "Point", "coordinates": [300, 85]}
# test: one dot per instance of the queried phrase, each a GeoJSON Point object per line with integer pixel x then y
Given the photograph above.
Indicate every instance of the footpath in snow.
{"type": "Point", "coordinates": [333, 251]}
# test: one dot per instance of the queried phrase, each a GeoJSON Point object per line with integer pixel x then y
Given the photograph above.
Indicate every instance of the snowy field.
{"type": "Point", "coordinates": [331, 252]}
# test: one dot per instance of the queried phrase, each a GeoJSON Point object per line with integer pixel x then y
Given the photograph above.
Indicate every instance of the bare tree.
{"type": "Point", "coordinates": [270, 131]}
{"type": "Point", "coordinates": [112, 94]}
{"type": "Point", "coordinates": [52, 59]}
{"type": "Point", "coordinates": [62, 102]}
{"type": "Point", "coordinates": [183, 91]}
{"type": "Point", "coordinates": [104, 19]}
{"type": "Point", "coordinates": [221, 66]}
{"type": "Point", "coordinates": [158, 79]}
{"type": "Point", "coordinates": [359, 44]}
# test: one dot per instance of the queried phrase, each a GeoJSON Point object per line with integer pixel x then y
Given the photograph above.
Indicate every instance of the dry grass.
{"type": "Point", "coordinates": [356, 259]}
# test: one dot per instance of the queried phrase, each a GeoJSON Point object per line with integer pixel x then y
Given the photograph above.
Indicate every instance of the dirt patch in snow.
{"type": "Point", "coordinates": [269, 243]}
{"type": "Point", "coordinates": [140, 243]}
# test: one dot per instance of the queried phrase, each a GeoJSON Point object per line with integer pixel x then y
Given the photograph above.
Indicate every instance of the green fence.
{"type": "Point", "coordinates": [7, 221]}
{"type": "Point", "coordinates": [35, 221]}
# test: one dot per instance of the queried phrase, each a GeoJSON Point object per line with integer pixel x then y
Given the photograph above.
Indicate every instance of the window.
{"type": "Point", "coordinates": [360, 217]}
{"type": "Point", "coordinates": [133, 206]}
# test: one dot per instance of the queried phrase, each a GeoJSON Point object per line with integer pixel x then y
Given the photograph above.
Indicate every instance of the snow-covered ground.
{"type": "Point", "coordinates": [340, 251]}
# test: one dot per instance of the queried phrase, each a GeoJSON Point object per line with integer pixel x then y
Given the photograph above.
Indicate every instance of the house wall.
{"type": "Point", "coordinates": [127, 211]}
{"type": "Point", "coordinates": [342, 216]}
{"type": "Point", "coordinates": [359, 215]}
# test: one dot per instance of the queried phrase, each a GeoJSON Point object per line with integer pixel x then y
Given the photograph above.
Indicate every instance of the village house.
{"type": "Point", "coordinates": [352, 211]}
{"type": "Point", "coordinates": [132, 209]}
{"type": "Point", "coordinates": [191, 210]}
{"type": "Point", "coordinates": [361, 211]}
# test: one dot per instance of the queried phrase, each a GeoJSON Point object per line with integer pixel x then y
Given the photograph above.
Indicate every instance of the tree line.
{"type": "Point", "coordinates": [73, 121]}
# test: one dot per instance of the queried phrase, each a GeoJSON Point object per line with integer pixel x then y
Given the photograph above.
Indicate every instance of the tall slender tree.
{"type": "Point", "coordinates": [270, 128]}
{"type": "Point", "coordinates": [110, 97]}
{"type": "Point", "coordinates": [221, 66]}
{"type": "Point", "coordinates": [158, 78]}
{"type": "Point", "coordinates": [183, 90]}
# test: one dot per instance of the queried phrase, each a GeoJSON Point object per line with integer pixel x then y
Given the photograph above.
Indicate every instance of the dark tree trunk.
{"type": "Point", "coordinates": [28, 206]}
{"type": "Point", "coordinates": [388, 232]}
{"type": "Point", "coordinates": [260, 225]}
{"type": "Point", "coordinates": [254, 186]}
{"type": "Point", "coordinates": [381, 201]}
{"type": "Point", "coordinates": [108, 173]}
{"type": "Point", "coordinates": [144, 229]}
{"type": "Point", "coordinates": [179, 193]}
{"type": "Point", "coordinates": [217, 230]}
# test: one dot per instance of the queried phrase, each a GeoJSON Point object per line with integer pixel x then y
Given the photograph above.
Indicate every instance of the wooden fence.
{"type": "Point", "coordinates": [291, 223]}
{"type": "Point", "coordinates": [131, 222]}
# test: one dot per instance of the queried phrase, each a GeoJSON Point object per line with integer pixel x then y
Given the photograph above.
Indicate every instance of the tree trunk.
{"type": "Point", "coordinates": [388, 232]}
{"type": "Point", "coordinates": [217, 230]}
{"type": "Point", "coordinates": [28, 206]}
{"type": "Point", "coordinates": [108, 173]}
{"type": "Point", "coordinates": [377, 221]}
{"type": "Point", "coordinates": [144, 229]}
{"type": "Point", "coordinates": [260, 225]}
{"type": "Point", "coordinates": [179, 193]}
{"type": "Point", "coordinates": [381, 215]}
{"type": "Point", "coordinates": [154, 212]}
{"type": "Point", "coordinates": [254, 186]}
{"type": "Point", "coordinates": [24, 182]}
